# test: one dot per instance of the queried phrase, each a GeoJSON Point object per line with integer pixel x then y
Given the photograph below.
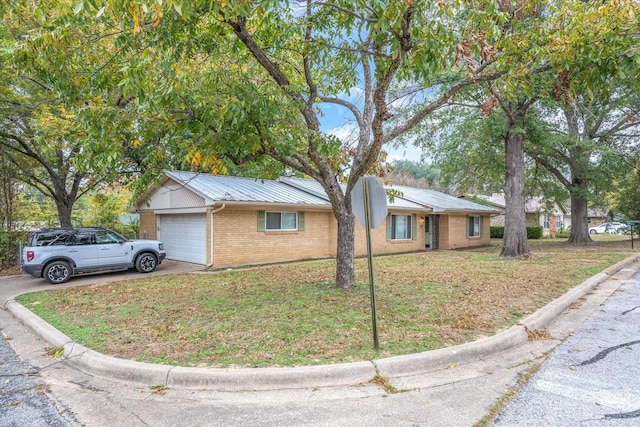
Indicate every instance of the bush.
{"type": "Point", "coordinates": [9, 247]}
{"type": "Point", "coordinates": [534, 232]}
{"type": "Point", "coordinates": [496, 232]}
{"type": "Point", "coordinates": [564, 233]}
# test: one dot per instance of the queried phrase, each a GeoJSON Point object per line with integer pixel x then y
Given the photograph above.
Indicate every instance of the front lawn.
{"type": "Point", "coordinates": [291, 314]}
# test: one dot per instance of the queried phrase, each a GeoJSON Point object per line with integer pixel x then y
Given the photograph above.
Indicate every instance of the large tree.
{"type": "Point", "coordinates": [249, 81]}
{"type": "Point", "coordinates": [590, 44]}
{"type": "Point", "coordinates": [584, 143]}
{"type": "Point", "coordinates": [49, 89]}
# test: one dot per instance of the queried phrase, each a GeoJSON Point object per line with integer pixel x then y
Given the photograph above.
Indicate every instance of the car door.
{"type": "Point", "coordinates": [81, 249]}
{"type": "Point", "coordinates": [113, 250]}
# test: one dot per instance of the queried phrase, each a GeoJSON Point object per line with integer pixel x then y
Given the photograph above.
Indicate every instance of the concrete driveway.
{"type": "Point", "coordinates": [12, 286]}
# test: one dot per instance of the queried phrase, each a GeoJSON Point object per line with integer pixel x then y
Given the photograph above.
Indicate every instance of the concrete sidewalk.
{"type": "Point", "coordinates": [452, 386]}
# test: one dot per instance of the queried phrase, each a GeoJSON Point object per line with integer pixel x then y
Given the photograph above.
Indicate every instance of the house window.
{"type": "Point", "coordinates": [558, 222]}
{"type": "Point", "coordinates": [474, 226]}
{"type": "Point", "coordinates": [400, 227]}
{"type": "Point", "coordinates": [282, 221]}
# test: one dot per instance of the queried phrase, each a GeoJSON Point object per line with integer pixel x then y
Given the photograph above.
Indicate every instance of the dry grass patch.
{"type": "Point", "coordinates": [292, 314]}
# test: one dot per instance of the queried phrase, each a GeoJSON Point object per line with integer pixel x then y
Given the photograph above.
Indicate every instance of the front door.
{"type": "Point", "coordinates": [427, 231]}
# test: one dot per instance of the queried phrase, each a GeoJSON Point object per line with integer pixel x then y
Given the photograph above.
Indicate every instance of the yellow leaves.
{"type": "Point", "coordinates": [207, 162]}
{"type": "Point", "coordinates": [135, 14]}
{"type": "Point", "coordinates": [156, 20]}
{"type": "Point", "coordinates": [135, 143]}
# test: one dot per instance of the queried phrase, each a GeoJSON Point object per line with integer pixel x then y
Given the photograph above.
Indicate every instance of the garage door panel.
{"type": "Point", "coordinates": [184, 237]}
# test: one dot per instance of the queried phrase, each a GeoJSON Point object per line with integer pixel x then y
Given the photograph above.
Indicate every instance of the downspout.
{"type": "Point", "coordinates": [211, 237]}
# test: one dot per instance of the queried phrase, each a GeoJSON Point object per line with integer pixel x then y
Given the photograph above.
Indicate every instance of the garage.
{"type": "Point", "coordinates": [184, 236]}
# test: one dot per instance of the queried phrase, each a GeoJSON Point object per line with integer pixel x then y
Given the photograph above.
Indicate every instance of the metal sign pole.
{"type": "Point", "coordinates": [372, 288]}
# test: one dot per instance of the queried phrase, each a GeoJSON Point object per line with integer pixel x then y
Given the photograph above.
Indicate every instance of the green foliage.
{"type": "Point", "coordinates": [422, 173]}
{"type": "Point", "coordinates": [496, 232]}
{"type": "Point", "coordinates": [627, 197]}
{"type": "Point", "coordinates": [534, 232]}
{"type": "Point", "coordinates": [564, 233]}
{"type": "Point", "coordinates": [9, 247]}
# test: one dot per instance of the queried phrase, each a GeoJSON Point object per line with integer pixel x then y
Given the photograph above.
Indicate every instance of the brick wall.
{"type": "Point", "coordinates": [380, 244]}
{"type": "Point", "coordinates": [453, 232]}
{"type": "Point", "coordinates": [237, 240]}
{"type": "Point", "coordinates": [148, 225]}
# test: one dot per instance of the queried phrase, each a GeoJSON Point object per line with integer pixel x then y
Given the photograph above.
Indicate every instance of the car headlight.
{"type": "Point", "coordinates": [161, 246]}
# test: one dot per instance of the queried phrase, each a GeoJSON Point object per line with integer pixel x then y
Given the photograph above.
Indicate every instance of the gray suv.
{"type": "Point", "coordinates": [56, 254]}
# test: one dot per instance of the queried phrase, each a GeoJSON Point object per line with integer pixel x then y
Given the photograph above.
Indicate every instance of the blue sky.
{"type": "Point", "coordinates": [338, 121]}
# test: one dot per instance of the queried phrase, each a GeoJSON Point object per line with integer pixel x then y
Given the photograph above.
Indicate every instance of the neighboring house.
{"type": "Point", "coordinates": [553, 217]}
{"type": "Point", "coordinates": [597, 216]}
{"type": "Point", "coordinates": [224, 221]}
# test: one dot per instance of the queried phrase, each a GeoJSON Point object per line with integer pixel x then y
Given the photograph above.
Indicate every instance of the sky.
{"type": "Point", "coordinates": [338, 121]}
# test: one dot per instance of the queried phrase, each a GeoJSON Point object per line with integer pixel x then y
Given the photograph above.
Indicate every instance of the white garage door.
{"type": "Point", "coordinates": [184, 237]}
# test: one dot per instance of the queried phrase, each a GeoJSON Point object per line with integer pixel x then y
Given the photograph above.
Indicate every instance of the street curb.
{"type": "Point", "coordinates": [418, 363]}
{"type": "Point", "coordinates": [256, 379]}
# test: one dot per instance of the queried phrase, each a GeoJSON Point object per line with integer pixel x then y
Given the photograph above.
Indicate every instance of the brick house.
{"type": "Point", "coordinates": [223, 221]}
{"type": "Point", "coordinates": [552, 216]}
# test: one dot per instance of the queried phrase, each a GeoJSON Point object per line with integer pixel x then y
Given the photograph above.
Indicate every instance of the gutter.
{"type": "Point", "coordinates": [224, 205]}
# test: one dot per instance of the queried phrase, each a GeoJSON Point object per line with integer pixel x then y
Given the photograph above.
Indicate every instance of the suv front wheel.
{"type": "Point", "coordinates": [57, 272]}
{"type": "Point", "coordinates": [146, 263]}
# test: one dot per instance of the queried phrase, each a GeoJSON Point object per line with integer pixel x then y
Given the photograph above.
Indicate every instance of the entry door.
{"type": "Point", "coordinates": [427, 231]}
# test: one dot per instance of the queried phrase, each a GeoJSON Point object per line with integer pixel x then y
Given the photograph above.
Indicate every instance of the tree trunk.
{"type": "Point", "coordinates": [579, 216]}
{"type": "Point", "coordinates": [64, 213]}
{"type": "Point", "coordinates": [515, 229]}
{"type": "Point", "coordinates": [345, 269]}
{"type": "Point", "coordinates": [345, 252]}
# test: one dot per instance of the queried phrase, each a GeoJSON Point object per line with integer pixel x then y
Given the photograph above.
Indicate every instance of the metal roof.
{"type": "Point", "coordinates": [441, 202]}
{"type": "Point", "coordinates": [297, 191]}
{"type": "Point", "coordinates": [221, 188]}
{"type": "Point", "coordinates": [312, 186]}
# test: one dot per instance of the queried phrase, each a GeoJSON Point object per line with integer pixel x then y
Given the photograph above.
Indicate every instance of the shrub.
{"type": "Point", "coordinates": [496, 232]}
{"type": "Point", "coordinates": [564, 233]}
{"type": "Point", "coordinates": [9, 247]}
{"type": "Point", "coordinates": [534, 232]}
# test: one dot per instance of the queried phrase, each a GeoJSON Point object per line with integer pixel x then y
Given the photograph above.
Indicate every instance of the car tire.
{"type": "Point", "coordinates": [620, 230]}
{"type": "Point", "coordinates": [593, 232]}
{"type": "Point", "coordinates": [57, 272]}
{"type": "Point", "coordinates": [146, 263]}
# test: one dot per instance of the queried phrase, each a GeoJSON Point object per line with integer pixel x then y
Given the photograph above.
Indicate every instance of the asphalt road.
{"type": "Point", "coordinates": [593, 378]}
{"type": "Point", "coordinates": [21, 401]}
{"type": "Point", "coordinates": [25, 397]}
{"type": "Point", "coordinates": [458, 395]}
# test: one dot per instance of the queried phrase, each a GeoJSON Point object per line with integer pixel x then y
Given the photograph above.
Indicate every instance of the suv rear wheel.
{"type": "Point", "coordinates": [146, 263]}
{"type": "Point", "coordinates": [57, 272]}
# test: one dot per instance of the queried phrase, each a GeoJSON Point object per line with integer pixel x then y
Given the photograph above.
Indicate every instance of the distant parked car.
{"type": "Point", "coordinates": [609, 227]}
{"type": "Point", "coordinates": [57, 254]}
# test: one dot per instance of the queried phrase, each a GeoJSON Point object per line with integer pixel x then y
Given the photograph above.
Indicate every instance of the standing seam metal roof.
{"type": "Point", "coordinates": [286, 190]}
{"type": "Point", "coordinates": [227, 188]}
{"type": "Point", "coordinates": [440, 202]}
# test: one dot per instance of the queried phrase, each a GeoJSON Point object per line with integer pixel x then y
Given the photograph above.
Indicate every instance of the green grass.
{"type": "Point", "coordinates": [292, 314]}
